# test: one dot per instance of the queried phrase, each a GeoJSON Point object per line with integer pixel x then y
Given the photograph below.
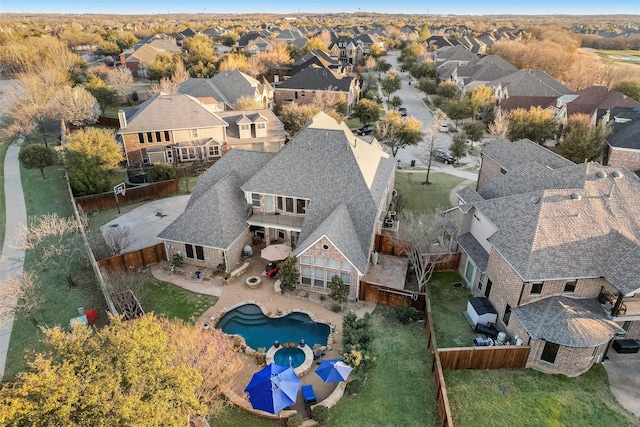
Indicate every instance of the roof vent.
{"type": "Point", "coordinates": [601, 174]}
{"type": "Point", "coordinates": [576, 196]}
{"type": "Point", "coordinates": [535, 199]}
{"type": "Point", "coordinates": [616, 174]}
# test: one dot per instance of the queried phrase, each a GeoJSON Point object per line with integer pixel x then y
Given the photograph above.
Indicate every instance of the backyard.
{"type": "Point", "coordinates": [416, 196]}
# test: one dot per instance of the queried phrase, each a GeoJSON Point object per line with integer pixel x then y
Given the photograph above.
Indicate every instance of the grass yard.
{"type": "Point", "coordinates": [399, 390]}
{"type": "Point", "coordinates": [418, 197]}
{"type": "Point", "coordinates": [447, 304]}
{"type": "Point", "coordinates": [173, 301]}
{"type": "Point", "coordinates": [524, 397]}
{"type": "Point", "coordinates": [624, 56]}
{"type": "Point", "coordinates": [232, 416]}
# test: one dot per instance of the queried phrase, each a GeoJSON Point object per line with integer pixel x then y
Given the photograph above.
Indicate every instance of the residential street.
{"type": "Point", "coordinates": [412, 101]}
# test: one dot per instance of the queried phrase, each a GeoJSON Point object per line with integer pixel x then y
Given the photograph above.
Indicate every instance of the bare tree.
{"type": "Point", "coordinates": [500, 124]}
{"type": "Point", "coordinates": [19, 294]}
{"type": "Point", "coordinates": [120, 79]}
{"type": "Point", "coordinates": [170, 86]}
{"type": "Point", "coordinates": [425, 151]}
{"type": "Point", "coordinates": [420, 236]}
{"type": "Point", "coordinates": [118, 239]}
{"type": "Point", "coordinates": [77, 106]}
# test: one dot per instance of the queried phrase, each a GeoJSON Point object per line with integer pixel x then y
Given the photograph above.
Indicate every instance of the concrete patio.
{"type": "Point", "coordinates": [624, 379]}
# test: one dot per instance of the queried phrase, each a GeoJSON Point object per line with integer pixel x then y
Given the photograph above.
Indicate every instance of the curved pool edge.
{"type": "Point", "coordinates": [213, 321]}
{"type": "Point", "coordinates": [300, 370]}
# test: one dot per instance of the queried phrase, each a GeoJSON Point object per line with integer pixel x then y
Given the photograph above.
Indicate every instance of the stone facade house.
{"type": "Point", "coordinates": [554, 247]}
{"type": "Point", "coordinates": [324, 194]}
{"type": "Point", "coordinates": [179, 128]}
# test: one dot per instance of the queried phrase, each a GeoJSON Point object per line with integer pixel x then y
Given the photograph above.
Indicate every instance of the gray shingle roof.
{"type": "Point", "coordinates": [327, 164]}
{"type": "Point", "coordinates": [226, 86]}
{"type": "Point", "coordinates": [317, 78]}
{"type": "Point", "coordinates": [474, 249]}
{"type": "Point", "coordinates": [513, 155]}
{"type": "Point", "coordinates": [165, 112]}
{"type": "Point", "coordinates": [532, 83]}
{"type": "Point", "coordinates": [217, 211]}
{"type": "Point", "coordinates": [625, 127]}
{"type": "Point", "coordinates": [591, 230]}
{"type": "Point", "coordinates": [567, 321]}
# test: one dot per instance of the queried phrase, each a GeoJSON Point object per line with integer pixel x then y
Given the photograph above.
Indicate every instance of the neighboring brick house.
{"type": "Point", "coordinates": [179, 128]}
{"type": "Point", "coordinates": [554, 246]}
{"type": "Point", "coordinates": [228, 87]}
{"type": "Point", "coordinates": [595, 98]}
{"type": "Point", "coordinates": [313, 82]}
{"type": "Point", "coordinates": [347, 50]}
{"type": "Point", "coordinates": [622, 146]}
{"type": "Point", "coordinates": [138, 58]}
{"type": "Point", "coordinates": [324, 194]}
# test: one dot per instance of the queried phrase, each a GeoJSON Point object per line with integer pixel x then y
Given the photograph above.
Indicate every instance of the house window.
{"type": "Point", "coordinates": [305, 259]}
{"type": "Point", "coordinates": [194, 133]}
{"type": "Point", "coordinates": [507, 315]}
{"type": "Point", "coordinates": [255, 200]}
{"type": "Point", "coordinates": [570, 286]}
{"type": "Point", "coordinates": [189, 250]}
{"type": "Point", "coordinates": [332, 263]}
{"type": "Point", "coordinates": [200, 253]}
{"type": "Point", "coordinates": [149, 136]}
{"type": "Point", "coordinates": [301, 206]}
{"type": "Point", "coordinates": [305, 275]}
{"type": "Point", "coordinates": [279, 203]}
{"type": "Point", "coordinates": [302, 94]}
{"type": "Point", "coordinates": [261, 125]}
{"type": "Point", "coordinates": [214, 151]}
{"type": "Point", "coordinates": [503, 172]}
{"type": "Point", "coordinates": [245, 127]}
{"type": "Point", "coordinates": [289, 205]}
{"type": "Point", "coordinates": [346, 278]}
{"type": "Point", "coordinates": [145, 159]}
{"type": "Point", "coordinates": [487, 290]}
{"type": "Point", "coordinates": [318, 278]}
{"type": "Point", "coordinates": [166, 136]}
{"type": "Point", "coordinates": [141, 138]}
{"type": "Point", "coordinates": [550, 352]}
{"type": "Point", "coordinates": [536, 288]}
{"type": "Point", "coordinates": [345, 266]}
{"type": "Point", "coordinates": [318, 261]}
{"type": "Point", "coordinates": [470, 271]}
{"type": "Point", "coordinates": [158, 138]}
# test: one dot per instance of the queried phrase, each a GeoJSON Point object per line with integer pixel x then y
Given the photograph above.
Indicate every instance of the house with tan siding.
{"type": "Point", "coordinates": [554, 247]}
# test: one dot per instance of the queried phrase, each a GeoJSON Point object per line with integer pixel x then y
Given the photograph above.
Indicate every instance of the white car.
{"type": "Point", "coordinates": [443, 128]}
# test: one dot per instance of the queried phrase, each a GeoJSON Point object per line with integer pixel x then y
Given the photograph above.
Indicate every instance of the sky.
{"type": "Point", "coordinates": [459, 7]}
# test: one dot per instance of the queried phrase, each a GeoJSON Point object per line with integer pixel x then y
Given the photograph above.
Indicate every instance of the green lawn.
{"type": "Point", "coordinates": [447, 304]}
{"type": "Point", "coordinates": [624, 56]}
{"type": "Point", "coordinates": [400, 389]}
{"type": "Point", "coordinates": [172, 301]}
{"type": "Point", "coordinates": [418, 197]}
{"type": "Point", "coordinates": [524, 397]}
{"type": "Point", "coordinates": [232, 416]}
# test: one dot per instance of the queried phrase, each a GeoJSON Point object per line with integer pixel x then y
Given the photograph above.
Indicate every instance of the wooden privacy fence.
{"type": "Point", "coordinates": [494, 357]}
{"type": "Point", "coordinates": [388, 245]}
{"type": "Point", "coordinates": [108, 121]}
{"type": "Point", "coordinates": [390, 296]}
{"type": "Point", "coordinates": [135, 260]}
{"type": "Point", "coordinates": [436, 370]}
{"type": "Point", "coordinates": [134, 194]}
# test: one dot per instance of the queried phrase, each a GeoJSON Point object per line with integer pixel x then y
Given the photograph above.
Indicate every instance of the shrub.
{"type": "Point", "coordinates": [354, 386]}
{"type": "Point", "coordinates": [321, 414]}
{"type": "Point", "coordinates": [161, 172]}
{"type": "Point", "coordinates": [336, 308]}
{"type": "Point", "coordinates": [288, 274]}
{"type": "Point", "coordinates": [406, 313]}
{"type": "Point", "coordinates": [295, 420]}
{"type": "Point", "coordinates": [177, 259]}
{"type": "Point", "coordinates": [134, 96]}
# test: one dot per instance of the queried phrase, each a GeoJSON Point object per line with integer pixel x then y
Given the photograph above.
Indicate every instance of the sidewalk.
{"type": "Point", "coordinates": [12, 259]}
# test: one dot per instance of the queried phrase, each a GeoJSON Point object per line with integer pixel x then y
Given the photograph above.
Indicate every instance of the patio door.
{"type": "Point", "coordinates": [470, 273]}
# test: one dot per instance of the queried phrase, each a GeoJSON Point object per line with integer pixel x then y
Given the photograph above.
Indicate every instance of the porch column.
{"type": "Point", "coordinates": [616, 308]}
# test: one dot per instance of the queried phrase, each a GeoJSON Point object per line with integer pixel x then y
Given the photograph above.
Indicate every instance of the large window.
{"type": "Point", "coordinates": [214, 151]}
{"type": "Point", "coordinates": [199, 252]}
{"type": "Point", "coordinates": [289, 205]}
{"type": "Point", "coordinates": [255, 200]}
{"type": "Point", "coordinates": [536, 288]}
{"type": "Point", "coordinates": [158, 138]}
{"type": "Point", "coordinates": [550, 352]}
{"type": "Point", "coordinates": [318, 271]}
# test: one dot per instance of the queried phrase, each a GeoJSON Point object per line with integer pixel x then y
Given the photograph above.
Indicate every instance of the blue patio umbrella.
{"type": "Point", "coordinates": [333, 370]}
{"type": "Point", "coordinates": [273, 388]}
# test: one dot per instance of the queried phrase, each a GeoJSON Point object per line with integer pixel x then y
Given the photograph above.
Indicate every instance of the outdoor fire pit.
{"type": "Point", "coordinates": [253, 281]}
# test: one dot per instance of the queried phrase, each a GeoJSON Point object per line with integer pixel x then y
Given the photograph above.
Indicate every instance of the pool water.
{"type": "Point", "coordinates": [259, 330]}
{"type": "Point", "coordinates": [289, 356]}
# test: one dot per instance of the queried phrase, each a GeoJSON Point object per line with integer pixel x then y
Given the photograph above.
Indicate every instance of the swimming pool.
{"type": "Point", "coordinates": [289, 356]}
{"type": "Point", "coordinates": [258, 330]}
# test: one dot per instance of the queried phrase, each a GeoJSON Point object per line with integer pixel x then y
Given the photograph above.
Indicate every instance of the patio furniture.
{"type": "Point", "coordinates": [308, 394]}
{"type": "Point", "coordinates": [626, 346]}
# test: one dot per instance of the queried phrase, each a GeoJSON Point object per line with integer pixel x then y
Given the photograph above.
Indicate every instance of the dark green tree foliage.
{"type": "Point", "coordinates": [339, 290]}
{"type": "Point", "coordinates": [631, 88]}
{"type": "Point", "coordinates": [581, 143]}
{"type": "Point", "coordinates": [391, 83]}
{"type": "Point", "coordinates": [459, 146]}
{"type": "Point", "coordinates": [288, 273]}
{"type": "Point", "coordinates": [37, 156]}
{"type": "Point", "coordinates": [396, 101]}
{"type": "Point", "coordinates": [427, 86]}
{"type": "Point", "coordinates": [426, 69]}
{"type": "Point", "coordinates": [382, 66]}
{"type": "Point", "coordinates": [366, 111]}
{"type": "Point", "coordinates": [458, 110]}
{"type": "Point", "coordinates": [357, 333]}
{"type": "Point", "coordinates": [161, 172]}
{"type": "Point", "coordinates": [447, 90]}
{"type": "Point", "coordinates": [474, 130]}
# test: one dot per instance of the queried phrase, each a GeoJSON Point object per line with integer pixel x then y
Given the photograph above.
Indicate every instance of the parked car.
{"type": "Point", "coordinates": [365, 130]}
{"type": "Point", "coordinates": [402, 111]}
{"type": "Point", "coordinates": [443, 128]}
{"type": "Point", "coordinates": [444, 156]}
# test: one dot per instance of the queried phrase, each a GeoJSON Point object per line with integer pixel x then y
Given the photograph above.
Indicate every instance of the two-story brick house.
{"type": "Point", "coordinates": [180, 128]}
{"type": "Point", "coordinates": [554, 247]}
{"type": "Point", "coordinates": [325, 194]}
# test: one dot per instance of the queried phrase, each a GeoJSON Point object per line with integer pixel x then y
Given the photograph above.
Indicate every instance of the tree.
{"type": "Point", "coordinates": [382, 66]}
{"type": "Point", "coordinates": [36, 156]}
{"type": "Point", "coordinates": [366, 111]}
{"type": "Point", "coordinates": [276, 60]}
{"type": "Point", "coordinates": [161, 172]}
{"type": "Point", "coordinates": [339, 290]}
{"type": "Point", "coordinates": [77, 106]}
{"type": "Point", "coordinates": [117, 239]}
{"type": "Point", "coordinates": [424, 69]}
{"type": "Point", "coordinates": [391, 83]}
{"type": "Point", "coordinates": [474, 130]}
{"type": "Point", "coordinates": [288, 273]}
{"type": "Point", "coordinates": [425, 152]}
{"type": "Point", "coordinates": [142, 372]}
{"type": "Point", "coordinates": [447, 89]}
{"type": "Point", "coordinates": [100, 91]}
{"type": "Point", "coordinates": [421, 239]}
{"type": "Point", "coordinates": [162, 66]}
{"type": "Point", "coordinates": [427, 86]}
{"type": "Point", "coordinates": [396, 133]}
{"type": "Point", "coordinates": [535, 124]}
{"type": "Point", "coordinates": [315, 43]}
{"type": "Point", "coordinates": [580, 143]}
{"type": "Point", "coordinates": [198, 48]}
{"type": "Point", "coordinates": [481, 100]}
{"type": "Point", "coordinates": [500, 125]}
{"type": "Point", "coordinates": [19, 294]}
{"type": "Point", "coordinates": [294, 116]}
{"type": "Point", "coordinates": [458, 110]}
{"type": "Point", "coordinates": [458, 147]}
{"type": "Point", "coordinates": [120, 79]}
{"type": "Point", "coordinates": [424, 32]}
{"type": "Point", "coordinates": [631, 88]}
{"type": "Point", "coordinates": [396, 101]}
{"type": "Point", "coordinates": [91, 155]}
{"type": "Point", "coordinates": [229, 39]}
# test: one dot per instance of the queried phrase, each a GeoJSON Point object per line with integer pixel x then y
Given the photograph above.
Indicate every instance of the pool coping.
{"type": "Point", "coordinates": [301, 370]}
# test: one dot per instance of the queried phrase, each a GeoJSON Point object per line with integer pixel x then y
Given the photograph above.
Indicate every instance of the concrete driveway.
{"type": "Point", "coordinates": [624, 379]}
{"type": "Point", "coordinates": [147, 221]}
